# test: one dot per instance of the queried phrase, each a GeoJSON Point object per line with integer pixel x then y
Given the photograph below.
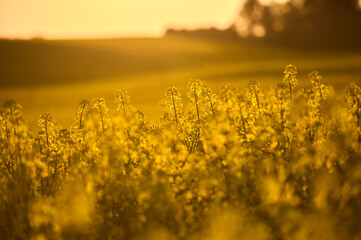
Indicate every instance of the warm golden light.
{"type": "Point", "coordinates": [180, 119]}
{"type": "Point", "coordinates": [110, 18]}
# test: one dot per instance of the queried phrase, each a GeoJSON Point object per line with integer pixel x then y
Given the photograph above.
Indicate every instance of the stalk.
{"type": "Point", "coordinates": [81, 117]}
{"type": "Point", "coordinates": [243, 122]}
{"type": "Point", "coordinates": [101, 118]}
{"type": "Point", "coordinates": [175, 110]}
{"type": "Point", "coordinates": [46, 133]}
{"type": "Point", "coordinates": [358, 114]}
{"type": "Point", "coordinates": [210, 102]}
{"type": "Point", "coordinates": [256, 95]}
{"type": "Point", "coordinates": [196, 99]}
{"type": "Point", "coordinates": [290, 91]}
{"type": "Point", "coordinates": [282, 117]}
{"type": "Point", "coordinates": [212, 108]}
{"type": "Point", "coordinates": [320, 90]}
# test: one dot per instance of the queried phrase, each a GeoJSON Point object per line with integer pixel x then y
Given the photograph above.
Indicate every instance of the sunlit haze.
{"type": "Point", "coordinates": [110, 18]}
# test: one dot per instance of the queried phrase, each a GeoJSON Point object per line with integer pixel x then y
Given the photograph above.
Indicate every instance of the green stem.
{"type": "Point", "coordinates": [175, 110]}
{"type": "Point", "coordinates": [81, 116]}
{"type": "Point", "coordinates": [211, 103]}
{"type": "Point", "coordinates": [358, 114]}
{"type": "Point", "coordinates": [196, 100]}
{"type": "Point", "coordinates": [46, 133]}
{"type": "Point", "coordinates": [290, 91]}
{"type": "Point", "coordinates": [282, 115]}
{"type": "Point", "coordinates": [255, 93]}
{"type": "Point", "coordinates": [243, 122]}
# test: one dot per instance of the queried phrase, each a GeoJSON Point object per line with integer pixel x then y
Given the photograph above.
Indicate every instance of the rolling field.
{"type": "Point", "coordinates": [237, 150]}
{"type": "Point", "coordinates": [53, 76]}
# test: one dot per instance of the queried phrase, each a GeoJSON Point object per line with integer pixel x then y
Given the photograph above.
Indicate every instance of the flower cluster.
{"type": "Point", "coordinates": [282, 163]}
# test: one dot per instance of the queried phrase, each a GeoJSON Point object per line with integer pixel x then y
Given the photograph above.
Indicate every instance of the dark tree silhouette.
{"type": "Point", "coordinates": [305, 23]}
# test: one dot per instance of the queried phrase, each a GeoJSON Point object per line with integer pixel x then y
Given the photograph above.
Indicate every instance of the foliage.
{"type": "Point", "coordinates": [251, 163]}
{"type": "Point", "coordinates": [318, 23]}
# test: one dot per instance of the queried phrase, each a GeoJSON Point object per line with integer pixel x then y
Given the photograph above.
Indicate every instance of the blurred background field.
{"type": "Point", "coordinates": [54, 75]}
{"type": "Point", "coordinates": [259, 164]}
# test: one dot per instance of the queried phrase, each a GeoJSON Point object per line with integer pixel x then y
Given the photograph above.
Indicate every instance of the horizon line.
{"type": "Point", "coordinates": [109, 36]}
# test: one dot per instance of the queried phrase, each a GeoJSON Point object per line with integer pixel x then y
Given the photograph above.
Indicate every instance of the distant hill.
{"type": "Point", "coordinates": [39, 62]}
{"type": "Point", "coordinates": [209, 34]}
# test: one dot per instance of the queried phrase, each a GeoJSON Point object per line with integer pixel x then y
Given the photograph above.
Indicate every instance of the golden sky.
{"type": "Point", "coordinates": [110, 18]}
